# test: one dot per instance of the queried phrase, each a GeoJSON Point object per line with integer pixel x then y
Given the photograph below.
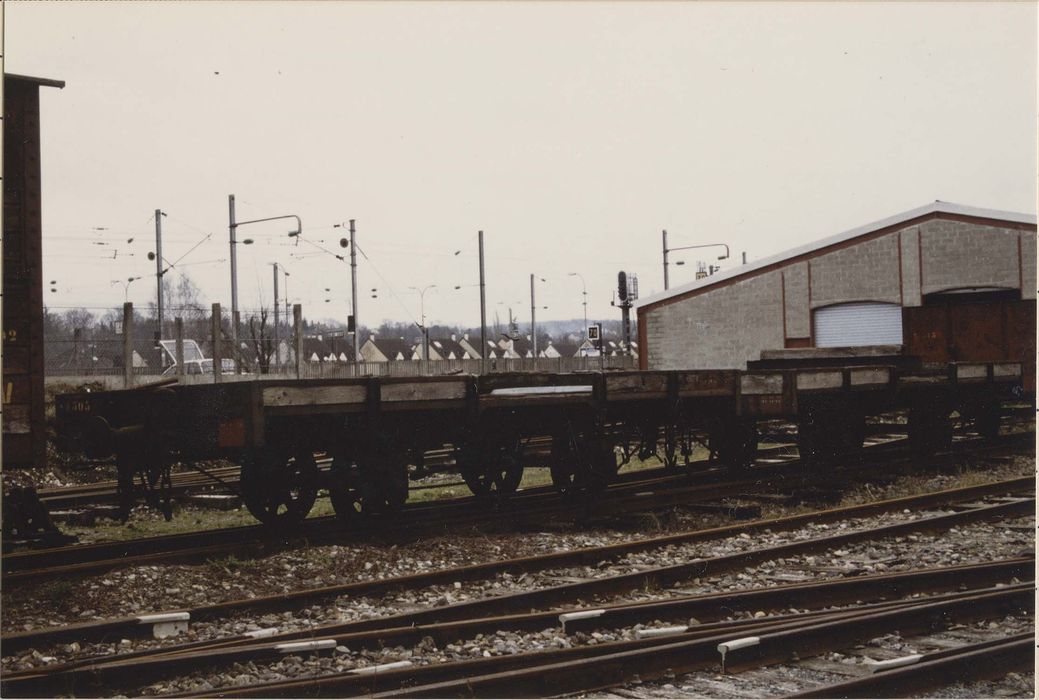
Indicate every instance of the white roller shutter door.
{"type": "Point", "coordinates": [858, 323]}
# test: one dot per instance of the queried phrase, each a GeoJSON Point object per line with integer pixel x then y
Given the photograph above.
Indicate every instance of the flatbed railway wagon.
{"type": "Point", "coordinates": [372, 429]}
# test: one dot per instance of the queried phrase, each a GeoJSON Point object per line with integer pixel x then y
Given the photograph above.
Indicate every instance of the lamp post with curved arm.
{"type": "Point", "coordinates": [688, 247]}
{"type": "Point", "coordinates": [422, 306]}
{"type": "Point", "coordinates": [584, 294]}
{"type": "Point", "coordinates": [233, 228]}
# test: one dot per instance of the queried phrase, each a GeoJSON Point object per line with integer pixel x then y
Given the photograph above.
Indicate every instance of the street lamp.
{"type": "Point", "coordinates": [584, 293]}
{"type": "Point", "coordinates": [688, 247]}
{"type": "Point", "coordinates": [232, 229]}
{"type": "Point", "coordinates": [352, 243]}
{"type": "Point", "coordinates": [422, 305]}
{"type": "Point", "coordinates": [533, 318]}
{"type": "Point", "coordinates": [126, 286]}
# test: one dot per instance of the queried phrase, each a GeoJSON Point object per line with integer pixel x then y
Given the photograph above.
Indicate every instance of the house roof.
{"type": "Point", "coordinates": [391, 347]}
{"type": "Point", "coordinates": [565, 347]}
{"type": "Point", "coordinates": [936, 207]}
{"type": "Point", "coordinates": [324, 347]}
{"type": "Point", "coordinates": [446, 346]}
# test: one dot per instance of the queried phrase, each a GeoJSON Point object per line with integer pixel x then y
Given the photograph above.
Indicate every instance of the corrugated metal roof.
{"type": "Point", "coordinates": [936, 207]}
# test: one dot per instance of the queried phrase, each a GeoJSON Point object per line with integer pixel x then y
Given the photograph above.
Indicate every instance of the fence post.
{"type": "Point", "coordinates": [237, 353]}
{"type": "Point", "coordinates": [77, 334]}
{"type": "Point", "coordinates": [297, 329]}
{"type": "Point", "coordinates": [127, 345]}
{"type": "Point", "coordinates": [178, 326]}
{"type": "Point", "coordinates": [218, 364]}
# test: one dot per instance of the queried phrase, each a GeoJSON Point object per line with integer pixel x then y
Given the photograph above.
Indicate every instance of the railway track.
{"type": "Point", "coordinates": [633, 491]}
{"type": "Point", "coordinates": [484, 676]}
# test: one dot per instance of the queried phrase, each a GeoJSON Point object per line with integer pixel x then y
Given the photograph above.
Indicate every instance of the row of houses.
{"type": "Point", "coordinates": [455, 347]}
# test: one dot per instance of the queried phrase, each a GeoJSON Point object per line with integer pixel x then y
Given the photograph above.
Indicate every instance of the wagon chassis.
{"type": "Point", "coordinates": [373, 428]}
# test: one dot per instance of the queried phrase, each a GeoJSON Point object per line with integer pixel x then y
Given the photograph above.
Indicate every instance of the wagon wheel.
{"type": "Point", "coordinates": [986, 416]}
{"type": "Point", "coordinates": [385, 481]}
{"type": "Point", "coordinates": [279, 488]}
{"type": "Point", "coordinates": [851, 434]}
{"type": "Point", "coordinates": [735, 442]}
{"type": "Point", "coordinates": [345, 490]}
{"type": "Point", "coordinates": [565, 468]}
{"type": "Point", "coordinates": [581, 465]}
{"type": "Point", "coordinates": [493, 472]}
{"type": "Point", "coordinates": [817, 443]}
{"type": "Point", "coordinates": [376, 483]}
{"type": "Point", "coordinates": [929, 427]}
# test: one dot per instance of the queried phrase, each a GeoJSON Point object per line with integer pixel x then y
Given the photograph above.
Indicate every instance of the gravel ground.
{"type": "Point", "coordinates": [959, 546]}
{"type": "Point", "coordinates": [141, 589]}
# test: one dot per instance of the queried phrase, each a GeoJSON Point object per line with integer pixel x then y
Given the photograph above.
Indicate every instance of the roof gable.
{"type": "Point", "coordinates": [935, 209]}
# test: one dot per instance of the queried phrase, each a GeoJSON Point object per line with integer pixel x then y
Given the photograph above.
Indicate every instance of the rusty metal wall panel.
{"type": "Point", "coordinates": [24, 427]}
{"type": "Point", "coordinates": [993, 331]}
{"type": "Point", "coordinates": [978, 332]}
{"type": "Point", "coordinates": [925, 332]}
{"type": "Point", "coordinates": [1021, 339]}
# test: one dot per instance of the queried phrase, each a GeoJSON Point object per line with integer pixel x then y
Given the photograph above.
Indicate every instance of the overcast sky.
{"type": "Point", "coordinates": [570, 133]}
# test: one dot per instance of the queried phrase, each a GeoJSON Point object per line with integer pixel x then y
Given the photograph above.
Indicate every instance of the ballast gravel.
{"type": "Point", "coordinates": [125, 591]}
{"type": "Point", "coordinates": [998, 542]}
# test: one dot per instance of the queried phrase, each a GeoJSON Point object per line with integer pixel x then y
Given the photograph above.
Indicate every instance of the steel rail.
{"type": "Point", "coordinates": [96, 630]}
{"type": "Point", "coordinates": [708, 607]}
{"type": "Point", "coordinates": [597, 673]}
{"type": "Point", "coordinates": [966, 664]}
{"type": "Point", "coordinates": [667, 575]}
{"type": "Point", "coordinates": [354, 683]}
{"type": "Point", "coordinates": [820, 637]}
{"type": "Point", "coordinates": [970, 663]}
{"type": "Point", "coordinates": [117, 672]}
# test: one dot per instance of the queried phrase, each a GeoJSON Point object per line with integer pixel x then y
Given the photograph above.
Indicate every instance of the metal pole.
{"type": "Point", "coordinates": [533, 323]}
{"type": "Point", "coordinates": [483, 313]}
{"type": "Point", "coordinates": [286, 299]}
{"type": "Point", "coordinates": [297, 324]}
{"type": "Point", "coordinates": [584, 292]}
{"type": "Point", "coordinates": [127, 345]}
{"type": "Point", "coordinates": [602, 347]}
{"type": "Point", "coordinates": [353, 298]}
{"type": "Point", "coordinates": [214, 322]}
{"type": "Point", "coordinates": [425, 331]}
{"type": "Point", "coordinates": [158, 275]}
{"type": "Point", "coordinates": [665, 258]}
{"type": "Point", "coordinates": [277, 303]}
{"type": "Point", "coordinates": [178, 325]}
{"type": "Point", "coordinates": [232, 226]}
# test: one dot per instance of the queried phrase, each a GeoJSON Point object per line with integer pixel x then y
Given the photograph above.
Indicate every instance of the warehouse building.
{"type": "Point", "coordinates": [945, 282]}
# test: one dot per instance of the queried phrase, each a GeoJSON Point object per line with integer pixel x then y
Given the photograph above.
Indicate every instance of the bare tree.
{"type": "Point", "coordinates": [262, 343]}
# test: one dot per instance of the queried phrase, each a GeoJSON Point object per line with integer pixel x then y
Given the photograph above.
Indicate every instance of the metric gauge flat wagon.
{"type": "Point", "coordinates": [581, 426]}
